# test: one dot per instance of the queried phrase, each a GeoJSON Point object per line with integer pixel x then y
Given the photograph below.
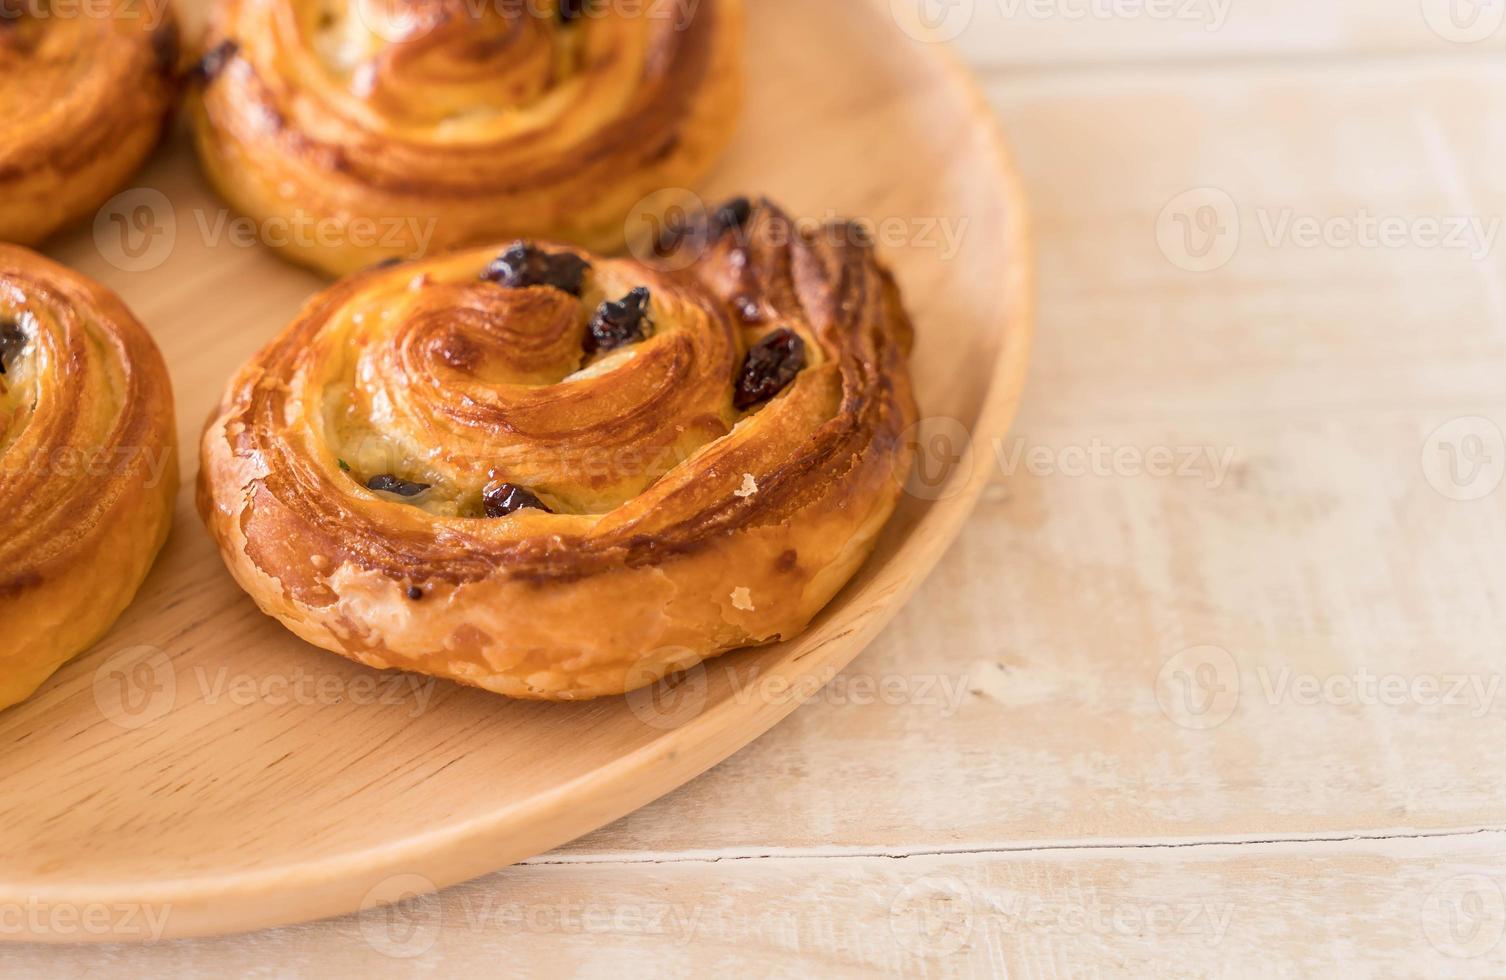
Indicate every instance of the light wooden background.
{"type": "Point", "coordinates": [1245, 719]}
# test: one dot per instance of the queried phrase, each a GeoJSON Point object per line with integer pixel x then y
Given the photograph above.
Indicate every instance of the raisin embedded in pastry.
{"type": "Point", "coordinates": [493, 479]}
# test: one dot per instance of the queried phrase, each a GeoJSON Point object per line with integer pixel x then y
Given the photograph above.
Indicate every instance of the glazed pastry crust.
{"type": "Point", "coordinates": [84, 102]}
{"type": "Point", "coordinates": [682, 526]}
{"type": "Point", "coordinates": [355, 137]}
{"type": "Point", "coordinates": [88, 469]}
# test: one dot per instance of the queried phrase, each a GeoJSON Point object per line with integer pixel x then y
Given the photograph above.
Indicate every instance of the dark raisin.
{"type": "Point", "coordinates": [771, 364]}
{"type": "Point", "coordinates": [415, 593]}
{"type": "Point", "coordinates": [571, 10]}
{"type": "Point", "coordinates": [501, 499]}
{"type": "Point", "coordinates": [387, 483]}
{"type": "Point", "coordinates": [620, 323]}
{"type": "Point", "coordinates": [524, 264]}
{"type": "Point", "coordinates": [12, 341]}
{"type": "Point", "coordinates": [386, 263]}
{"type": "Point", "coordinates": [732, 216]}
{"type": "Point", "coordinates": [213, 62]}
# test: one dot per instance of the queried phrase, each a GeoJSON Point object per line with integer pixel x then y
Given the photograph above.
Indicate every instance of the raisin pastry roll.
{"type": "Point", "coordinates": [84, 95]}
{"type": "Point", "coordinates": [558, 476]}
{"type": "Point", "coordinates": [88, 464]}
{"type": "Point", "coordinates": [358, 130]}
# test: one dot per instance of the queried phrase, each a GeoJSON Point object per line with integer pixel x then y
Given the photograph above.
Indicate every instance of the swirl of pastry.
{"type": "Point", "coordinates": [558, 476]}
{"type": "Point", "coordinates": [88, 464]}
{"type": "Point", "coordinates": [358, 130]}
{"type": "Point", "coordinates": [84, 93]}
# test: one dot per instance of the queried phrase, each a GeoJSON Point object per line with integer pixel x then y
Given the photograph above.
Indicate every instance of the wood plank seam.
{"type": "Point", "coordinates": [985, 850]}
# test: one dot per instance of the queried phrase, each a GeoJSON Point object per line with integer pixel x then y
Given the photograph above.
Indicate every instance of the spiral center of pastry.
{"type": "Point", "coordinates": [422, 63]}
{"type": "Point", "coordinates": [458, 384]}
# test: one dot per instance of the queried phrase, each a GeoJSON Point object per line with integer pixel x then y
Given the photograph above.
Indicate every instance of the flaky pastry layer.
{"type": "Point", "coordinates": [351, 472]}
{"type": "Point", "coordinates": [88, 464]}
{"type": "Point", "coordinates": [84, 97]}
{"type": "Point", "coordinates": [356, 130]}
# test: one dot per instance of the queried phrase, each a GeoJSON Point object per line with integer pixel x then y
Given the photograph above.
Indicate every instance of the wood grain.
{"type": "Point", "coordinates": [1052, 36]}
{"type": "Point", "coordinates": [1320, 551]}
{"type": "Point", "coordinates": [1059, 783]}
{"type": "Point", "coordinates": [221, 769]}
{"type": "Point", "coordinates": [1384, 908]}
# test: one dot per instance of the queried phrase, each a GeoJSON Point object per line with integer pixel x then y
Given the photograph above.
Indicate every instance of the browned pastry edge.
{"type": "Point", "coordinates": [283, 150]}
{"type": "Point", "coordinates": [96, 110]}
{"type": "Point", "coordinates": [741, 543]}
{"type": "Point", "coordinates": [89, 470]}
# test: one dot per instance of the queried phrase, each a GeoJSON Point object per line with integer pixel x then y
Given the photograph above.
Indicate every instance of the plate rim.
{"type": "Point", "coordinates": [231, 903]}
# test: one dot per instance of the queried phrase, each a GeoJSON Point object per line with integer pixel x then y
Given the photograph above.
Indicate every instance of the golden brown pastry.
{"type": "Point", "coordinates": [84, 93]}
{"type": "Point", "coordinates": [558, 476]}
{"type": "Point", "coordinates": [88, 470]}
{"type": "Point", "coordinates": [357, 130]}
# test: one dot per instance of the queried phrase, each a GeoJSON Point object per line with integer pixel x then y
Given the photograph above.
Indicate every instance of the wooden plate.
{"type": "Point", "coordinates": [202, 771]}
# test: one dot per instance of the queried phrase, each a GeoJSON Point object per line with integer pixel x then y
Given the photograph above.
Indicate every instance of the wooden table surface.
{"type": "Point", "coordinates": [1212, 683]}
